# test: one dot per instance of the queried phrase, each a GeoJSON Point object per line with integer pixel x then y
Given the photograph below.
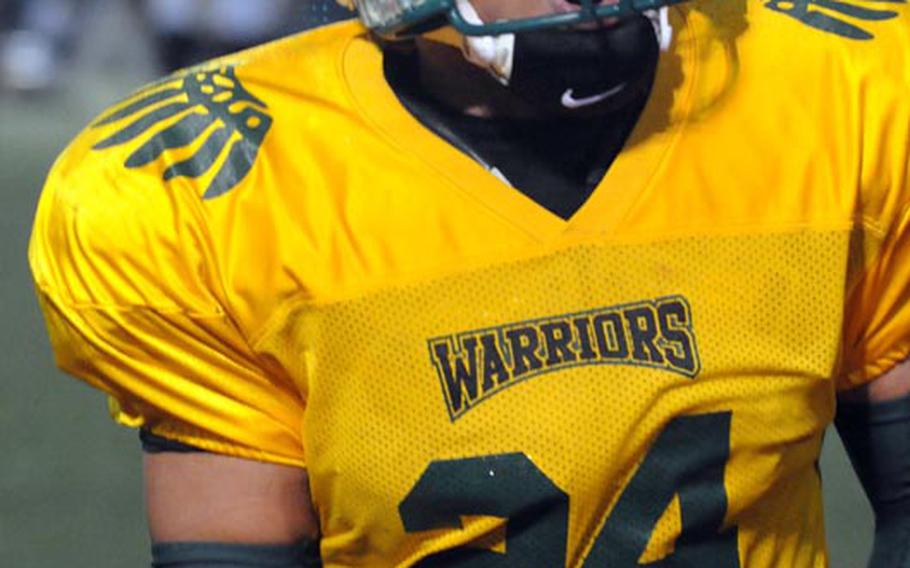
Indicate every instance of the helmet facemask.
{"type": "Point", "coordinates": [397, 19]}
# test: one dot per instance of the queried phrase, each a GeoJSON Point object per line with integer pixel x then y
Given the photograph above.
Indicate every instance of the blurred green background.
{"type": "Point", "coordinates": [70, 482]}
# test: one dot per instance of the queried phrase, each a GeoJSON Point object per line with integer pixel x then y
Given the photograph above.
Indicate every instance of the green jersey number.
{"type": "Point", "coordinates": [686, 459]}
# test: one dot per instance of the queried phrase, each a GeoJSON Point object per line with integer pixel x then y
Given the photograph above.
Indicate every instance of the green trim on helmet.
{"type": "Point", "coordinates": [396, 19]}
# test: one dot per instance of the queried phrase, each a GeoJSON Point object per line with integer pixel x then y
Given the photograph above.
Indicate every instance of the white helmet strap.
{"type": "Point", "coordinates": [663, 29]}
{"type": "Point", "coordinates": [496, 54]}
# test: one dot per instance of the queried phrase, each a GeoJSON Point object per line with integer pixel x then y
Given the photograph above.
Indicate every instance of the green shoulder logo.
{"type": "Point", "coordinates": [218, 122]}
{"type": "Point", "coordinates": [836, 17]}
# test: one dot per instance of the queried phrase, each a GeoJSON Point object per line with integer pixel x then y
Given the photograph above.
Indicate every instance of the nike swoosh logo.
{"type": "Point", "coordinates": [569, 100]}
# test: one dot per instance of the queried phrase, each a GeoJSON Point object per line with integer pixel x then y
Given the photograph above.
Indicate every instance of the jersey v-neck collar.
{"type": "Point", "coordinates": [629, 179]}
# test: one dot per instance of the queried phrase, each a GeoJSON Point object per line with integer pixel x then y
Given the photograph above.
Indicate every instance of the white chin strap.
{"type": "Point", "coordinates": [660, 19]}
{"type": "Point", "coordinates": [496, 54]}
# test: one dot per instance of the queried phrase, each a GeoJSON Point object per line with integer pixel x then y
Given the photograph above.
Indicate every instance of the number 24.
{"type": "Point", "coordinates": [688, 459]}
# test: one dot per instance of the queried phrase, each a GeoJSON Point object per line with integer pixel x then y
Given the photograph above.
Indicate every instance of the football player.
{"type": "Point", "coordinates": [503, 283]}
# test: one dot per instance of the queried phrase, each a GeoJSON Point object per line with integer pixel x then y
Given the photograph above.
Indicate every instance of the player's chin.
{"type": "Point", "coordinates": [604, 24]}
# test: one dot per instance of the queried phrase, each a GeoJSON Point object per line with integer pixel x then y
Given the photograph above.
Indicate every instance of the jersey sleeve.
{"type": "Point", "coordinates": [877, 312]}
{"type": "Point", "coordinates": [125, 274]}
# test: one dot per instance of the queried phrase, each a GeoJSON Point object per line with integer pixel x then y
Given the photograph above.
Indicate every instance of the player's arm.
{"type": "Point", "coordinates": [206, 509]}
{"type": "Point", "coordinates": [874, 423]}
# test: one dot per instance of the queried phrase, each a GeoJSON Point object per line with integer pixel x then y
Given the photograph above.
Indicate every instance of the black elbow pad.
{"type": "Point", "coordinates": [877, 439]}
{"type": "Point", "coordinates": [304, 554]}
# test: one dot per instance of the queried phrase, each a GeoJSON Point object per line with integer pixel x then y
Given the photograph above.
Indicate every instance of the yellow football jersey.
{"type": "Point", "coordinates": [269, 257]}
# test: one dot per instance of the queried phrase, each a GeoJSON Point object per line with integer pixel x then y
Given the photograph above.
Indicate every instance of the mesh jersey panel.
{"type": "Point", "coordinates": [765, 314]}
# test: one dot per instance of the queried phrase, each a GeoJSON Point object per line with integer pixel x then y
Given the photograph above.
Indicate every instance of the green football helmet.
{"type": "Point", "coordinates": [395, 19]}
